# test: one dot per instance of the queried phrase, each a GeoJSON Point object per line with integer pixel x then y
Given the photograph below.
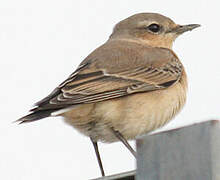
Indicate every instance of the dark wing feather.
{"type": "Point", "coordinates": [91, 84]}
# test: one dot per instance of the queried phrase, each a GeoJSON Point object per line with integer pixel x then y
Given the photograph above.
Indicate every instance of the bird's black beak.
{"type": "Point", "coordinates": [180, 29]}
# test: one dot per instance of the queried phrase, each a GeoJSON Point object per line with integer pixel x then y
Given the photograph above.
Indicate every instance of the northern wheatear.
{"type": "Point", "coordinates": [129, 86]}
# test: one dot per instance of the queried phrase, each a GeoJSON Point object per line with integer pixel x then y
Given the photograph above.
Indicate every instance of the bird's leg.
{"type": "Point", "coordinates": [124, 141]}
{"type": "Point", "coordinates": [95, 145]}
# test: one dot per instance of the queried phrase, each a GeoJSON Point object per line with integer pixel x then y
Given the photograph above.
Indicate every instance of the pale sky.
{"type": "Point", "coordinates": [42, 42]}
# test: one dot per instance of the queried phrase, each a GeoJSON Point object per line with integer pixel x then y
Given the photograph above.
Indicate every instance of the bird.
{"type": "Point", "coordinates": [131, 85]}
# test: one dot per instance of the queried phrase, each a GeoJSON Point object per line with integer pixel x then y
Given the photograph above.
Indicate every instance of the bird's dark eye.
{"type": "Point", "coordinates": [154, 28]}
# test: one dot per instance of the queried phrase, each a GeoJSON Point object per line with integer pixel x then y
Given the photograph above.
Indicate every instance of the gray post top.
{"type": "Point", "coordinates": [186, 153]}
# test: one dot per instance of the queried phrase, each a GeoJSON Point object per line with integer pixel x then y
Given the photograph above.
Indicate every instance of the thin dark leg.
{"type": "Point", "coordinates": [124, 141]}
{"type": "Point", "coordinates": [98, 156]}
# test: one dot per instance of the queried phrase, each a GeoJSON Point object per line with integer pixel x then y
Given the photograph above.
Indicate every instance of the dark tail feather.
{"type": "Point", "coordinates": [34, 116]}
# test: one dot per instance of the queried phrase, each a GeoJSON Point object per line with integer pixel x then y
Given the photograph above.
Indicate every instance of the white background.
{"type": "Point", "coordinates": [42, 42]}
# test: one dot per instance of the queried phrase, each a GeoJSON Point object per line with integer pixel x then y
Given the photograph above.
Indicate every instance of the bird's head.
{"type": "Point", "coordinates": [150, 28]}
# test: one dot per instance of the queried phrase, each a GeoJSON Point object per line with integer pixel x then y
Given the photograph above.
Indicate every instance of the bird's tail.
{"type": "Point", "coordinates": [34, 116]}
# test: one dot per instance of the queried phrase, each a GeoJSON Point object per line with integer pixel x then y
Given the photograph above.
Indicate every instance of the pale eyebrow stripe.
{"type": "Point", "coordinates": [145, 23]}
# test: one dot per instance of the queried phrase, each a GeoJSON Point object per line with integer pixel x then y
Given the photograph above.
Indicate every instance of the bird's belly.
{"type": "Point", "coordinates": [132, 115]}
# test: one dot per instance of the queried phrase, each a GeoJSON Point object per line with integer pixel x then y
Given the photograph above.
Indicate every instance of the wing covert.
{"type": "Point", "coordinates": [96, 80]}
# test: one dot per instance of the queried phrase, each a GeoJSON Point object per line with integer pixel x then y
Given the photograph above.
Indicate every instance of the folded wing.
{"type": "Point", "coordinates": [92, 83]}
